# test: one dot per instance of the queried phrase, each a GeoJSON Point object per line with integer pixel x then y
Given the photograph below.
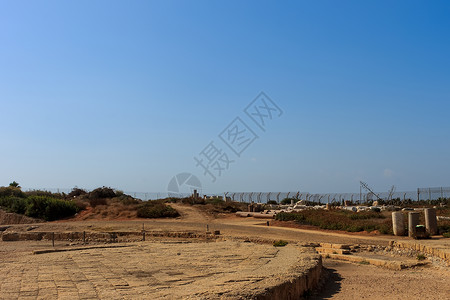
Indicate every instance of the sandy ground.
{"type": "Point", "coordinates": [347, 281]}
{"type": "Point", "coordinates": [356, 281]}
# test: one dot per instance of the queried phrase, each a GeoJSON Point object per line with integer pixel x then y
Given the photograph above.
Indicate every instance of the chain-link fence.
{"type": "Point", "coordinates": [264, 197]}
{"type": "Point", "coordinates": [420, 194]}
{"type": "Point", "coordinates": [433, 193]}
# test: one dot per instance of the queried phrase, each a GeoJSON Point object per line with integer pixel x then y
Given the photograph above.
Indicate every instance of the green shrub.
{"type": "Point", "coordinates": [49, 208]}
{"type": "Point", "coordinates": [280, 243]}
{"type": "Point", "coordinates": [14, 204]}
{"type": "Point", "coordinates": [76, 192]}
{"type": "Point", "coordinates": [103, 192]}
{"type": "Point", "coordinates": [339, 220]}
{"type": "Point", "coordinates": [156, 209]}
{"type": "Point", "coordinates": [14, 184]}
{"type": "Point", "coordinates": [446, 234]}
{"type": "Point", "coordinates": [41, 207]}
{"type": "Point", "coordinates": [171, 199]}
{"type": "Point", "coordinates": [365, 215]}
{"type": "Point", "coordinates": [44, 193]}
{"type": "Point", "coordinates": [214, 201]}
{"type": "Point", "coordinates": [127, 200]}
{"type": "Point", "coordinates": [190, 200]}
{"type": "Point", "coordinates": [286, 201]}
{"type": "Point", "coordinates": [421, 256]}
{"type": "Point", "coordinates": [11, 191]}
{"type": "Point", "coordinates": [19, 205]}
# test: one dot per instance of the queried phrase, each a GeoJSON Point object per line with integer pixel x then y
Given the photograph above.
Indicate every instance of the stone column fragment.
{"type": "Point", "coordinates": [413, 221]}
{"type": "Point", "coordinates": [397, 223]}
{"type": "Point", "coordinates": [431, 221]}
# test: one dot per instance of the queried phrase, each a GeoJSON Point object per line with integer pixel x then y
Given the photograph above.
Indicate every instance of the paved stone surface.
{"type": "Point", "coordinates": [151, 270]}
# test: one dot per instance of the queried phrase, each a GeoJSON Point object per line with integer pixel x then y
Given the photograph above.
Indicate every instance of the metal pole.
{"type": "Point", "coordinates": [360, 194]}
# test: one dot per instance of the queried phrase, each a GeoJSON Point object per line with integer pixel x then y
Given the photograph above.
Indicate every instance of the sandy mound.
{"type": "Point", "coordinates": [12, 218]}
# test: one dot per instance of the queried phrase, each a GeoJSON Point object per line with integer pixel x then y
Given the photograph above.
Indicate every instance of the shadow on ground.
{"type": "Point", "coordinates": [331, 285]}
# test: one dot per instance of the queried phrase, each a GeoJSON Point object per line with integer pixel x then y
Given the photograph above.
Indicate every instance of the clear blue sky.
{"type": "Point", "coordinates": [126, 93]}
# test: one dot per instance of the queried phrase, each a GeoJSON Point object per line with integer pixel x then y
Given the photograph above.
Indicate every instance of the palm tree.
{"type": "Point", "coordinates": [15, 184]}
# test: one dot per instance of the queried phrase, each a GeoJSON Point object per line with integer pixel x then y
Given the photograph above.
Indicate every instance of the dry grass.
{"type": "Point", "coordinates": [340, 220]}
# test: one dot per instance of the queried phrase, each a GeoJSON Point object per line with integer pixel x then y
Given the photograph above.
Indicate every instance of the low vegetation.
{"type": "Point", "coordinates": [280, 243]}
{"type": "Point", "coordinates": [41, 207]}
{"type": "Point", "coordinates": [103, 202]}
{"type": "Point", "coordinates": [214, 206]}
{"type": "Point", "coordinates": [156, 209]}
{"type": "Point", "coordinates": [421, 256]}
{"type": "Point", "coordinates": [340, 220]}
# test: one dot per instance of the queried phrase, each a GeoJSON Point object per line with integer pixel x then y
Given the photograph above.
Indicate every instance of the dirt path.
{"type": "Point", "coordinates": [353, 281]}
{"type": "Point", "coordinates": [190, 214]}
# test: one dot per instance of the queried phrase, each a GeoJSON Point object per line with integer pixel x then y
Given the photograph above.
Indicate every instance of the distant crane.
{"type": "Point", "coordinates": [367, 188]}
{"type": "Point", "coordinates": [391, 192]}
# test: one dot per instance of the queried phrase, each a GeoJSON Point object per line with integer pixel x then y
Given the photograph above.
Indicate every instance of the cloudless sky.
{"type": "Point", "coordinates": [126, 93]}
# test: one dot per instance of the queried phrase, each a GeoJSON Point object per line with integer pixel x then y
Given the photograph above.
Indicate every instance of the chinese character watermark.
{"type": "Point", "coordinates": [262, 110]}
{"type": "Point", "coordinates": [238, 136]}
{"type": "Point", "coordinates": [213, 161]}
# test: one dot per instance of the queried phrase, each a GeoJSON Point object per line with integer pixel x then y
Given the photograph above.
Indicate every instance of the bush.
{"type": "Point", "coordinates": [103, 192]}
{"type": "Point", "coordinates": [14, 184]}
{"type": "Point", "coordinates": [49, 208]}
{"type": "Point", "coordinates": [280, 243]}
{"type": "Point", "coordinates": [127, 200]}
{"type": "Point", "coordinates": [41, 207]}
{"type": "Point", "coordinates": [44, 193]}
{"type": "Point", "coordinates": [339, 220]}
{"type": "Point", "coordinates": [14, 204]}
{"type": "Point", "coordinates": [156, 209]}
{"type": "Point", "coordinates": [287, 201]}
{"type": "Point", "coordinates": [214, 201]}
{"type": "Point", "coordinates": [97, 201]}
{"type": "Point", "coordinates": [19, 205]}
{"type": "Point", "coordinates": [191, 201]}
{"type": "Point", "coordinates": [365, 215]}
{"type": "Point", "coordinates": [11, 191]}
{"type": "Point", "coordinates": [80, 203]}
{"type": "Point", "coordinates": [421, 256]}
{"type": "Point", "coordinates": [76, 192]}
{"type": "Point", "coordinates": [172, 200]}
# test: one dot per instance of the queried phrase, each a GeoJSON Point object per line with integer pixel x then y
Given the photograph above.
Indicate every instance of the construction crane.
{"type": "Point", "coordinates": [391, 193]}
{"type": "Point", "coordinates": [367, 188]}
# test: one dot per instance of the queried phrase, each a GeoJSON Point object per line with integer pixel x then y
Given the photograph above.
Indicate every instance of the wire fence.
{"type": "Point", "coordinates": [264, 197]}
{"type": "Point", "coordinates": [420, 194]}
